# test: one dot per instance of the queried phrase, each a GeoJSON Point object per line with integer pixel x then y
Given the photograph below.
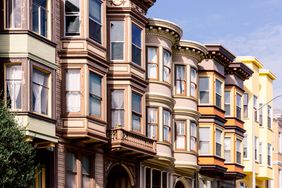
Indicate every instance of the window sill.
{"type": "Point", "coordinates": [37, 116]}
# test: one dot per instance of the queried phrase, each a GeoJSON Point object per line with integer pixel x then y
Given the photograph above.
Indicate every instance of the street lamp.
{"type": "Point", "coordinates": [253, 139]}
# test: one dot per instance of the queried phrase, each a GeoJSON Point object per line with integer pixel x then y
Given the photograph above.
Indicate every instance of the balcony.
{"type": "Point", "coordinates": [131, 144]}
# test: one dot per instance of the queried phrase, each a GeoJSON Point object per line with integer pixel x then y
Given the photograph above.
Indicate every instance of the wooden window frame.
{"type": "Point", "coordinates": [181, 135]}
{"type": "Point", "coordinates": [155, 63]}
{"type": "Point", "coordinates": [156, 124]}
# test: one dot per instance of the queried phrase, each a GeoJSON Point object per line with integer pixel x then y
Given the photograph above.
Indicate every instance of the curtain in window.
{"type": "Point", "coordinates": [167, 65]}
{"type": "Point", "coordinates": [13, 8]}
{"type": "Point", "coordinates": [180, 135]}
{"type": "Point", "coordinates": [193, 136]}
{"type": "Point", "coordinates": [152, 62]}
{"type": "Point", "coordinates": [14, 82]}
{"type": "Point", "coordinates": [117, 40]}
{"type": "Point", "coordinates": [117, 108]}
{"type": "Point", "coordinates": [72, 17]}
{"type": "Point", "coordinates": [73, 90]}
{"type": "Point", "coordinates": [40, 94]}
{"type": "Point", "coordinates": [180, 77]}
{"type": "Point", "coordinates": [204, 134]}
{"type": "Point", "coordinates": [166, 125]}
{"type": "Point", "coordinates": [152, 120]}
{"type": "Point", "coordinates": [227, 149]}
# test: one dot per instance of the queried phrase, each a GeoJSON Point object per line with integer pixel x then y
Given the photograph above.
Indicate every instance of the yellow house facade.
{"type": "Point", "coordinates": [257, 115]}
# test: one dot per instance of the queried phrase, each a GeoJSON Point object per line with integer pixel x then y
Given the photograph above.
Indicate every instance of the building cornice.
{"type": "Point", "coordinates": [239, 69]}
{"type": "Point", "coordinates": [249, 59]}
{"type": "Point", "coordinates": [220, 54]}
{"type": "Point", "coordinates": [266, 72]}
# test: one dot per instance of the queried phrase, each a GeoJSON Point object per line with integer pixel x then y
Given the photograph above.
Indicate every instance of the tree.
{"type": "Point", "coordinates": [16, 155]}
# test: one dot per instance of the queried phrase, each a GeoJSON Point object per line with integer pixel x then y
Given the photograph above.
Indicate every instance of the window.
{"type": "Point", "coordinates": [193, 136]}
{"type": "Point", "coordinates": [95, 21]}
{"type": "Point", "coordinates": [260, 153]}
{"type": "Point", "coordinates": [227, 104]}
{"type": "Point", "coordinates": [180, 135]}
{"type": "Point", "coordinates": [256, 148]}
{"type": "Point", "coordinates": [39, 17]}
{"type": "Point", "coordinates": [204, 90]}
{"type": "Point", "coordinates": [218, 142]}
{"type": "Point", "coordinates": [73, 90]}
{"type": "Point", "coordinates": [218, 87]}
{"type": "Point", "coordinates": [280, 142]}
{"type": "Point", "coordinates": [164, 177]}
{"type": "Point", "coordinates": [155, 178]}
{"type": "Point", "coordinates": [14, 86]}
{"type": "Point", "coordinates": [280, 178]}
{"type": "Point", "coordinates": [269, 117]}
{"type": "Point", "coordinates": [152, 122]}
{"type": "Point", "coordinates": [72, 22]}
{"type": "Point", "coordinates": [245, 145]}
{"type": "Point", "coordinates": [204, 134]}
{"type": "Point", "coordinates": [117, 97]}
{"type": "Point", "coordinates": [85, 165]}
{"type": "Point", "coordinates": [167, 65]}
{"type": "Point", "coordinates": [180, 79]}
{"type": "Point", "coordinates": [40, 92]}
{"type": "Point", "coordinates": [238, 106]}
{"type": "Point", "coordinates": [238, 151]}
{"type": "Point", "coordinates": [71, 170]}
{"type": "Point", "coordinates": [117, 40]}
{"type": "Point", "coordinates": [193, 83]}
{"type": "Point", "coordinates": [136, 111]}
{"type": "Point", "coordinates": [152, 63]}
{"type": "Point", "coordinates": [95, 94]}
{"type": "Point", "coordinates": [136, 44]}
{"type": "Point", "coordinates": [260, 114]}
{"type": "Point", "coordinates": [227, 149]}
{"type": "Point", "coordinates": [166, 125]}
{"type": "Point", "coordinates": [255, 108]}
{"type": "Point", "coordinates": [13, 13]}
{"type": "Point", "coordinates": [246, 101]}
{"type": "Point", "coordinates": [269, 148]}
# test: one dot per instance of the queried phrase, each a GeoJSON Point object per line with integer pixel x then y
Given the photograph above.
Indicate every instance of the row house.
{"type": "Point", "coordinates": [110, 98]}
{"type": "Point", "coordinates": [221, 128]}
{"type": "Point", "coordinates": [277, 153]}
{"type": "Point", "coordinates": [258, 138]}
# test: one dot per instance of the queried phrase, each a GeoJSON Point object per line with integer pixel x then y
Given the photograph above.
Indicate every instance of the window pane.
{"type": "Point", "coordinates": [152, 115]}
{"type": "Point", "coordinates": [95, 84]}
{"type": "Point", "coordinates": [136, 122]}
{"type": "Point", "coordinates": [152, 71]}
{"type": "Point", "coordinates": [117, 118]}
{"type": "Point", "coordinates": [204, 133]}
{"type": "Point", "coordinates": [72, 25]}
{"type": "Point", "coordinates": [136, 55]}
{"type": "Point", "coordinates": [117, 31]}
{"type": "Point", "coordinates": [94, 106]}
{"type": "Point", "coordinates": [95, 10]}
{"type": "Point", "coordinates": [71, 6]}
{"type": "Point", "coordinates": [218, 136]}
{"type": "Point", "coordinates": [152, 55]}
{"type": "Point", "coordinates": [179, 72]}
{"type": "Point", "coordinates": [117, 50]}
{"type": "Point", "coordinates": [167, 58]}
{"type": "Point", "coordinates": [227, 102]}
{"type": "Point", "coordinates": [85, 165]}
{"type": "Point", "coordinates": [193, 75]}
{"type": "Point", "coordinates": [204, 84]}
{"type": "Point", "coordinates": [218, 87]}
{"type": "Point", "coordinates": [71, 162]}
{"type": "Point", "coordinates": [166, 74]}
{"type": "Point", "coordinates": [180, 128]}
{"type": "Point", "coordinates": [35, 21]}
{"type": "Point", "coordinates": [227, 149]}
{"type": "Point", "coordinates": [13, 8]}
{"type": "Point", "coordinates": [136, 35]}
{"type": "Point", "coordinates": [180, 142]}
{"type": "Point", "coordinates": [193, 129]}
{"type": "Point", "coordinates": [136, 102]}
{"type": "Point", "coordinates": [14, 84]}
{"type": "Point", "coordinates": [94, 30]}
{"type": "Point", "coordinates": [117, 97]}
{"type": "Point", "coordinates": [73, 90]}
{"type": "Point", "coordinates": [166, 117]}
{"type": "Point", "coordinates": [43, 22]}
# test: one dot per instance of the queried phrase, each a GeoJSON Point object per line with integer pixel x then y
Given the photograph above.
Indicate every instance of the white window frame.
{"type": "Point", "coordinates": [182, 133]}
{"type": "Point", "coordinates": [168, 127]}
{"type": "Point", "coordinates": [39, 19]}
{"type": "Point", "coordinates": [208, 90]}
{"type": "Point", "coordinates": [227, 148]}
{"type": "Point", "coordinates": [101, 24]}
{"type": "Point", "coordinates": [227, 102]}
{"type": "Point", "coordinates": [217, 81]}
{"type": "Point", "coordinates": [218, 141]}
{"type": "Point", "coordinates": [152, 63]}
{"type": "Point", "coordinates": [205, 141]}
{"type": "Point", "coordinates": [238, 106]}
{"type": "Point", "coordinates": [239, 151]}
{"type": "Point", "coordinates": [78, 91]}
{"type": "Point", "coordinates": [193, 82]}
{"type": "Point", "coordinates": [245, 143]}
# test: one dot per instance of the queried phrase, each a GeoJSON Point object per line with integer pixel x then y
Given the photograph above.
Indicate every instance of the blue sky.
{"type": "Point", "coordinates": [245, 27]}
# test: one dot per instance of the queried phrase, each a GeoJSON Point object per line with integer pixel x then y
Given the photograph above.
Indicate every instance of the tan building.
{"type": "Point", "coordinates": [277, 153]}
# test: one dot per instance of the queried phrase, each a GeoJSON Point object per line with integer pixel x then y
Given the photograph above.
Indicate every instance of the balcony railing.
{"type": "Point", "coordinates": [126, 140]}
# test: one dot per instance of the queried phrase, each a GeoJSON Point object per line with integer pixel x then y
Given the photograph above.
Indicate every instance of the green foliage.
{"type": "Point", "coordinates": [16, 155]}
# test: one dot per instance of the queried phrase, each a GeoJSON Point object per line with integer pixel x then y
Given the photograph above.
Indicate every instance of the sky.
{"type": "Point", "coordinates": [244, 27]}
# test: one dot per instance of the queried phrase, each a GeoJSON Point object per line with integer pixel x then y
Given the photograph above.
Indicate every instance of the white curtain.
{"type": "Point", "coordinates": [166, 74]}
{"type": "Point", "coordinates": [38, 79]}
{"type": "Point", "coordinates": [167, 65]}
{"type": "Point", "coordinates": [152, 70]}
{"type": "Point", "coordinates": [14, 82]}
{"type": "Point", "coordinates": [227, 149]}
{"type": "Point", "coordinates": [117, 108]}
{"type": "Point", "coordinates": [152, 120]}
{"type": "Point", "coordinates": [73, 90]}
{"type": "Point", "coordinates": [180, 137]}
{"type": "Point", "coordinates": [204, 134]}
{"type": "Point", "coordinates": [180, 77]}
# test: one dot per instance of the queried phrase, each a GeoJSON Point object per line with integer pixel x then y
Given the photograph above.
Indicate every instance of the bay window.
{"type": "Point", "coordinates": [260, 153]}
{"type": "Point", "coordinates": [136, 44]}
{"type": "Point", "coordinates": [152, 62]}
{"type": "Point", "coordinates": [269, 150]}
{"type": "Point", "coordinates": [255, 107]}
{"type": "Point", "coordinates": [85, 171]}
{"type": "Point", "coordinates": [73, 93]}
{"type": "Point", "coordinates": [117, 98]}
{"type": "Point", "coordinates": [40, 91]}
{"type": "Point", "coordinates": [152, 122]}
{"type": "Point", "coordinates": [245, 107]}
{"type": "Point", "coordinates": [95, 20]}
{"type": "Point", "coordinates": [72, 20]}
{"type": "Point", "coordinates": [117, 40]}
{"type": "Point", "coordinates": [227, 101]}
{"type": "Point", "coordinates": [238, 151]}
{"type": "Point", "coordinates": [13, 13]}
{"type": "Point", "coordinates": [227, 149]}
{"type": "Point", "coordinates": [95, 94]}
{"type": "Point", "coordinates": [180, 135]}
{"type": "Point", "coordinates": [166, 125]}
{"type": "Point", "coordinates": [193, 136]}
{"type": "Point", "coordinates": [193, 82]}
{"type": "Point", "coordinates": [218, 134]}
{"type": "Point", "coordinates": [40, 17]}
{"type": "Point", "coordinates": [180, 79]}
{"type": "Point", "coordinates": [166, 65]}
{"type": "Point", "coordinates": [238, 106]}
{"type": "Point", "coordinates": [245, 146]}
{"type": "Point", "coordinates": [204, 90]}
{"type": "Point", "coordinates": [136, 111]}
{"type": "Point", "coordinates": [71, 170]}
{"type": "Point", "coordinates": [218, 93]}
{"type": "Point", "coordinates": [204, 140]}
{"type": "Point", "coordinates": [14, 86]}
{"type": "Point", "coordinates": [269, 117]}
